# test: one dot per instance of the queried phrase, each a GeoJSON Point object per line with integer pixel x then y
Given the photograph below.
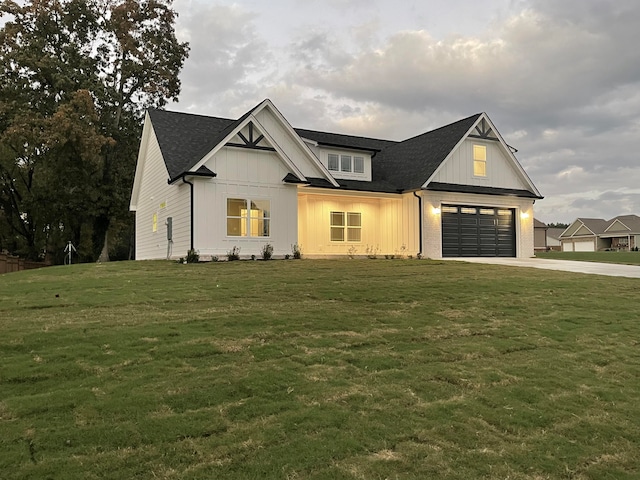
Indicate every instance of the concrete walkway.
{"type": "Point", "coordinates": [610, 269]}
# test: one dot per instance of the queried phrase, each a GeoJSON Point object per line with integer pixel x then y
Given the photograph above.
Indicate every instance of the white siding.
{"type": "Point", "coordinates": [432, 236]}
{"type": "Point", "coordinates": [388, 223]}
{"type": "Point", "coordinates": [157, 197]}
{"type": "Point", "coordinates": [244, 173]}
{"type": "Point", "coordinates": [501, 173]}
{"type": "Point", "coordinates": [288, 144]}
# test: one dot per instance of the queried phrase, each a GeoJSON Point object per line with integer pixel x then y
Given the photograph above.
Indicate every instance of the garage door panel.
{"type": "Point", "coordinates": [477, 231]}
{"type": "Point", "coordinates": [583, 246]}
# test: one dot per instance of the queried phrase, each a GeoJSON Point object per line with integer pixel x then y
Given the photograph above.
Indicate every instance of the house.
{"type": "Point", "coordinates": [553, 239]}
{"type": "Point", "coordinates": [593, 234]}
{"type": "Point", "coordinates": [212, 184]}
{"type": "Point", "coordinates": [539, 236]}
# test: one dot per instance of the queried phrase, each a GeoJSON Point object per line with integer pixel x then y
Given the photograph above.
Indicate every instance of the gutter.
{"type": "Point", "coordinates": [184, 180]}
{"type": "Point", "coordinates": [420, 219]}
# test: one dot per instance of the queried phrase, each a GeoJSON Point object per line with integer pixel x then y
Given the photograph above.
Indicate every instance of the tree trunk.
{"type": "Point", "coordinates": [104, 254]}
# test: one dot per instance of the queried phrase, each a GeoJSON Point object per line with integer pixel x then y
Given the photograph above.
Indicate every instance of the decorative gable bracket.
{"type": "Point", "coordinates": [483, 130]}
{"type": "Point", "coordinates": [252, 142]}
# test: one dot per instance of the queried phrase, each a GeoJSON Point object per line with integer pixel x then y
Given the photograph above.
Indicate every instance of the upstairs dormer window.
{"type": "Point", "coordinates": [479, 161]}
{"type": "Point", "coordinates": [345, 163]}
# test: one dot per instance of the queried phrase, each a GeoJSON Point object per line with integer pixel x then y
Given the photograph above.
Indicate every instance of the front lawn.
{"type": "Point", "coordinates": [628, 258]}
{"type": "Point", "coordinates": [351, 369]}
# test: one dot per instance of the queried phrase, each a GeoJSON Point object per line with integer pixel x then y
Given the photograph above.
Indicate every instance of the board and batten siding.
{"type": "Point", "coordinates": [432, 236]}
{"type": "Point", "coordinates": [288, 144]}
{"type": "Point", "coordinates": [248, 174]}
{"type": "Point", "coordinates": [458, 169]}
{"type": "Point", "coordinates": [159, 198]}
{"type": "Point", "coordinates": [389, 224]}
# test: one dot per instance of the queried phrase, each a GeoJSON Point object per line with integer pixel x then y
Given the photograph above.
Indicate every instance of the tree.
{"type": "Point", "coordinates": [557, 225]}
{"type": "Point", "coordinates": [76, 78]}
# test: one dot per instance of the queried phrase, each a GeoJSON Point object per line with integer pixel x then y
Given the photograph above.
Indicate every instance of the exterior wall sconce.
{"type": "Point", "coordinates": [435, 210]}
{"type": "Point", "coordinates": [524, 215]}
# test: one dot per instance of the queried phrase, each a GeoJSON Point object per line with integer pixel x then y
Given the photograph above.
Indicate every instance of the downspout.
{"type": "Point", "coordinates": [191, 184]}
{"type": "Point", "coordinates": [420, 220]}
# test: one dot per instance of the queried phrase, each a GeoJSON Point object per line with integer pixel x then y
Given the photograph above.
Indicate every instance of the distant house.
{"type": "Point", "coordinates": [553, 238]}
{"type": "Point", "coordinates": [539, 235]}
{"type": "Point", "coordinates": [212, 184]}
{"type": "Point", "coordinates": [593, 234]}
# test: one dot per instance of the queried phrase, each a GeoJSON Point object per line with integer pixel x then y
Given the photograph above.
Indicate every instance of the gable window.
{"type": "Point", "coordinates": [248, 218]}
{"type": "Point", "coordinates": [479, 161]}
{"type": "Point", "coordinates": [346, 226]}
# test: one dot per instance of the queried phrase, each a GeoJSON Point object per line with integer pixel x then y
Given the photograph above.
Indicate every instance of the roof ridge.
{"type": "Point", "coordinates": [346, 135]}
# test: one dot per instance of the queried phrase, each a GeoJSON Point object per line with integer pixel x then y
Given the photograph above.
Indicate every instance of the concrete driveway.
{"type": "Point", "coordinates": [610, 269]}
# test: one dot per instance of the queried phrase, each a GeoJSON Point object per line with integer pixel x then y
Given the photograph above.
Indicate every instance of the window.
{"type": "Point", "coordinates": [480, 160]}
{"type": "Point", "coordinates": [345, 163]}
{"type": "Point", "coordinates": [346, 225]}
{"type": "Point", "coordinates": [333, 162]}
{"type": "Point", "coordinates": [358, 164]}
{"type": "Point", "coordinates": [243, 221]}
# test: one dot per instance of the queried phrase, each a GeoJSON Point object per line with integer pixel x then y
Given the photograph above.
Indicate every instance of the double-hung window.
{"type": "Point", "coordinates": [248, 218]}
{"type": "Point", "coordinates": [346, 226]}
{"type": "Point", "coordinates": [479, 161]}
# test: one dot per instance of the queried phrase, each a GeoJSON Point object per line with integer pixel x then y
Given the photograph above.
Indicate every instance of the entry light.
{"type": "Point", "coordinates": [524, 215]}
{"type": "Point", "coordinates": [435, 210]}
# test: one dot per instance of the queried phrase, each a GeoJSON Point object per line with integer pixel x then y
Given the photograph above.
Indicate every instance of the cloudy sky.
{"type": "Point", "coordinates": [560, 79]}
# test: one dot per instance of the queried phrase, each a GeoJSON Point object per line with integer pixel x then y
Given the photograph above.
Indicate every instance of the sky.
{"type": "Point", "coordinates": [559, 79]}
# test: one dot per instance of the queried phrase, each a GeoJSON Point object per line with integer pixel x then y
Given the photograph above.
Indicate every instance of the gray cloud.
{"type": "Point", "coordinates": [561, 80]}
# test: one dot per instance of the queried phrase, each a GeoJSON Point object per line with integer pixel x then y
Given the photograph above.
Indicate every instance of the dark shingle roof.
{"type": "Point", "coordinates": [185, 138]}
{"type": "Point", "coordinates": [410, 163]}
{"type": "Point", "coordinates": [509, 192]}
{"type": "Point", "coordinates": [347, 141]}
{"type": "Point", "coordinates": [396, 166]}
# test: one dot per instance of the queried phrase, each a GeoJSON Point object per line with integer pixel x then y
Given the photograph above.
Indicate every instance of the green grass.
{"type": "Point", "coordinates": [629, 258]}
{"type": "Point", "coordinates": [362, 369]}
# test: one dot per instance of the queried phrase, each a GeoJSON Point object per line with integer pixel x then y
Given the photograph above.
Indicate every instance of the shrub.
{"type": "Point", "coordinates": [297, 251]}
{"type": "Point", "coordinates": [233, 254]}
{"type": "Point", "coordinates": [193, 256]}
{"type": "Point", "coordinates": [352, 252]}
{"type": "Point", "coordinates": [372, 252]}
{"type": "Point", "coordinates": [267, 252]}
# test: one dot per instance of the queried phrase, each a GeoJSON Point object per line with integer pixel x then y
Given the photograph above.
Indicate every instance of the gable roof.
{"type": "Point", "coordinates": [410, 163]}
{"type": "Point", "coordinates": [555, 232]}
{"type": "Point", "coordinates": [631, 222]}
{"type": "Point", "coordinates": [185, 139]}
{"type": "Point", "coordinates": [538, 224]}
{"type": "Point", "coordinates": [595, 225]}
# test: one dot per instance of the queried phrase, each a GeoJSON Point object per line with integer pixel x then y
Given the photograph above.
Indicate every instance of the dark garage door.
{"type": "Point", "coordinates": [478, 231]}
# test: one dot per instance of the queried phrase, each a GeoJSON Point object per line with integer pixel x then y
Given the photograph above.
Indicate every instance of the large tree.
{"type": "Point", "coordinates": [75, 80]}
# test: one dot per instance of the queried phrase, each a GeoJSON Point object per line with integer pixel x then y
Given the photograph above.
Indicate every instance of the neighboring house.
{"type": "Point", "coordinates": [212, 184]}
{"type": "Point", "coordinates": [593, 234]}
{"type": "Point", "coordinates": [553, 238]}
{"type": "Point", "coordinates": [539, 235]}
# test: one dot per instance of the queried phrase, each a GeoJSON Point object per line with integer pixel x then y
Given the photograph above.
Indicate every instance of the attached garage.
{"type": "Point", "coordinates": [583, 246]}
{"type": "Point", "coordinates": [471, 231]}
